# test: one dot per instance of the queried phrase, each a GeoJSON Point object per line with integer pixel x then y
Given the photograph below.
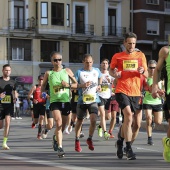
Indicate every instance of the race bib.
{"type": "Point", "coordinates": [104, 88]}
{"type": "Point", "coordinates": [130, 65]}
{"type": "Point", "coordinates": [76, 98]}
{"type": "Point", "coordinates": [89, 98]}
{"type": "Point", "coordinates": [6, 99]}
{"type": "Point", "coordinates": [58, 89]}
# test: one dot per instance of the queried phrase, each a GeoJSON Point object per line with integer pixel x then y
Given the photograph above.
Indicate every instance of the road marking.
{"type": "Point", "coordinates": [43, 162]}
{"type": "Point", "coordinates": [147, 149]}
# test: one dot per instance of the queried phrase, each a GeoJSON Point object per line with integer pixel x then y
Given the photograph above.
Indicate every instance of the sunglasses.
{"type": "Point", "coordinates": [151, 67]}
{"type": "Point", "coordinates": [55, 60]}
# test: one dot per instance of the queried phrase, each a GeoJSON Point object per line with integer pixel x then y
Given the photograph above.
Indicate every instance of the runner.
{"type": "Point", "coordinates": [152, 106]}
{"type": "Point", "coordinates": [8, 97]}
{"type": "Point", "coordinates": [105, 94]}
{"type": "Point", "coordinates": [38, 105]}
{"type": "Point", "coordinates": [126, 67]}
{"type": "Point", "coordinates": [89, 79]}
{"type": "Point", "coordinates": [164, 60]}
{"type": "Point", "coordinates": [59, 85]}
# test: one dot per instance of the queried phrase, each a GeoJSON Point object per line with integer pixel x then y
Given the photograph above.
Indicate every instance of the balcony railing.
{"type": "Point", "coordinates": [113, 31]}
{"type": "Point", "coordinates": [85, 29]}
{"type": "Point", "coordinates": [167, 6]}
{"type": "Point", "coordinates": [29, 23]}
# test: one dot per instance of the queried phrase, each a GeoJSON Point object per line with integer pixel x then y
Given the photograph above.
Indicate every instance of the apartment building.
{"type": "Point", "coordinates": [31, 29]}
{"type": "Point", "coordinates": [150, 20]}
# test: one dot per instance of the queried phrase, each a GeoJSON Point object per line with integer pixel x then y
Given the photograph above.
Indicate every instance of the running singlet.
{"type": "Point", "coordinates": [167, 80]}
{"type": "Point", "coordinates": [106, 87]}
{"type": "Point", "coordinates": [37, 95]}
{"type": "Point", "coordinates": [129, 82]}
{"type": "Point", "coordinates": [148, 99]}
{"type": "Point", "coordinates": [57, 92]}
{"type": "Point", "coordinates": [88, 95]}
{"type": "Point", "coordinates": [7, 87]}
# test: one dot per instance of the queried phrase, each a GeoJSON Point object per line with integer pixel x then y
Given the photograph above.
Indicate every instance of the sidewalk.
{"type": "Point", "coordinates": [162, 127]}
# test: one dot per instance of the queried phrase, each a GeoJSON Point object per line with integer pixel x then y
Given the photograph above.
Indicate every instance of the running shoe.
{"type": "Point", "coordinates": [111, 135]}
{"type": "Point", "coordinates": [119, 145]}
{"type": "Point", "coordinates": [130, 155]}
{"type": "Point", "coordinates": [106, 135]}
{"type": "Point", "coordinates": [150, 142]}
{"type": "Point", "coordinates": [45, 133]}
{"type": "Point", "coordinates": [60, 152]}
{"type": "Point", "coordinates": [100, 131]}
{"type": "Point", "coordinates": [55, 144]}
{"type": "Point", "coordinates": [5, 147]}
{"type": "Point", "coordinates": [39, 136]}
{"type": "Point", "coordinates": [33, 125]}
{"type": "Point", "coordinates": [90, 144]}
{"type": "Point", "coordinates": [166, 145]}
{"type": "Point", "coordinates": [81, 135]}
{"type": "Point", "coordinates": [77, 146]}
{"type": "Point", "coordinates": [70, 129]}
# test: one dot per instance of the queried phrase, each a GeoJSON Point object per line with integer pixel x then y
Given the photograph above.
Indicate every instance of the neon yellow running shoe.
{"type": "Point", "coordinates": [166, 145]}
{"type": "Point", "coordinates": [106, 135]}
{"type": "Point", "coordinates": [100, 131]}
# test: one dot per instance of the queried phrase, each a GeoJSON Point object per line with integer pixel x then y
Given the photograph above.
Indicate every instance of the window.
{"type": "Point", "coordinates": [154, 2]}
{"type": "Point", "coordinates": [152, 26]}
{"type": "Point", "coordinates": [44, 13]}
{"type": "Point", "coordinates": [68, 15]}
{"type": "Point", "coordinates": [77, 50]}
{"type": "Point", "coordinates": [17, 53]}
{"type": "Point", "coordinates": [47, 47]}
{"type": "Point", "coordinates": [57, 14]}
{"type": "Point", "coordinates": [20, 49]}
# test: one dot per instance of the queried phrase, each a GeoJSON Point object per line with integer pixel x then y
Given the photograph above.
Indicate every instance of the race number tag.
{"type": "Point", "coordinates": [76, 98]}
{"type": "Point", "coordinates": [104, 88]}
{"type": "Point", "coordinates": [130, 65]}
{"type": "Point", "coordinates": [6, 99]}
{"type": "Point", "coordinates": [89, 98]}
{"type": "Point", "coordinates": [58, 89]}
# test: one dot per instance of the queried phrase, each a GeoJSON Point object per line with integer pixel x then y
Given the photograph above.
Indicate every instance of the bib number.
{"type": "Point", "coordinates": [6, 99]}
{"type": "Point", "coordinates": [89, 98]}
{"type": "Point", "coordinates": [76, 98]}
{"type": "Point", "coordinates": [104, 88]}
{"type": "Point", "coordinates": [58, 89]}
{"type": "Point", "coordinates": [130, 65]}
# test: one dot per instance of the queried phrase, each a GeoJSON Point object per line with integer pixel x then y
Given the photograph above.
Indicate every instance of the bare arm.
{"type": "Point", "coordinates": [73, 79]}
{"type": "Point", "coordinates": [163, 53]}
{"type": "Point", "coordinates": [45, 81]}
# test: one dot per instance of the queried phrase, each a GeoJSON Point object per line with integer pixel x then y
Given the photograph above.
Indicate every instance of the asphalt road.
{"type": "Point", "coordinates": [28, 153]}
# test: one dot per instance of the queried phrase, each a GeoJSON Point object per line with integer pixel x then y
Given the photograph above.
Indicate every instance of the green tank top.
{"type": "Point", "coordinates": [57, 92]}
{"type": "Point", "coordinates": [168, 72]}
{"type": "Point", "coordinates": [148, 99]}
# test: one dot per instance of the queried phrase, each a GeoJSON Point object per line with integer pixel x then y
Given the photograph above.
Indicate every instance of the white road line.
{"type": "Point", "coordinates": [43, 162]}
{"type": "Point", "coordinates": [147, 149]}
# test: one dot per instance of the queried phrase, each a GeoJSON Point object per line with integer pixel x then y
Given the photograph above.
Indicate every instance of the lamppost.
{"type": "Point", "coordinates": [154, 49]}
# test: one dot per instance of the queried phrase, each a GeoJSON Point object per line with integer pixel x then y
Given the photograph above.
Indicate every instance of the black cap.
{"type": "Point", "coordinates": [40, 77]}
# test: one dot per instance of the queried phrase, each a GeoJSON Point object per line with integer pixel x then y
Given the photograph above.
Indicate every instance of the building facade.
{"type": "Point", "coordinates": [31, 29]}
{"type": "Point", "coordinates": [150, 20]}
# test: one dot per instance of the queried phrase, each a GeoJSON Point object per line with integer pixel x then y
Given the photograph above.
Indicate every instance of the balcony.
{"type": "Point", "coordinates": [167, 6]}
{"type": "Point", "coordinates": [85, 29]}
{"type": "Point", "coordinates": [113, 31]}
{"type": "Point", "coordinates": [28, 24]}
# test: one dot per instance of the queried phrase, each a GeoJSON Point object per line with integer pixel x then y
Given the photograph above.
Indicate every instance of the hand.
{"type": "Point", "coordinates": [35, 101]}
{"type": "Point", "coordinates": [64, 83]}
{"type": "Point", "coordinates": [157, 93]}
{"type": "Point", "coordinates": [140, 70]}
{"type": "Point", "coordinates": [2, 95]}
{"type": "Point", "coordinates": [117, 74]}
